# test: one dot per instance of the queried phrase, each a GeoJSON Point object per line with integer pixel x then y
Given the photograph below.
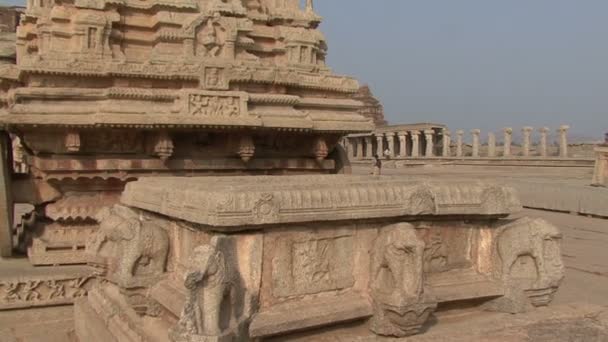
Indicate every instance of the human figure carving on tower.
{"type": "Point", "coordinates": [209, 39]}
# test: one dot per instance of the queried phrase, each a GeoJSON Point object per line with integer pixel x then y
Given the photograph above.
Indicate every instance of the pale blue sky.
{"type": "Point", "coordinates": [476, 63]}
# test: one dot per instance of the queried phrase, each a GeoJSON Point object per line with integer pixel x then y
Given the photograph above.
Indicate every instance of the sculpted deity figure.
{"type": "Point", "coordinates": [208, 38]}
{"type": "Point", "coordinates": [205, 281]}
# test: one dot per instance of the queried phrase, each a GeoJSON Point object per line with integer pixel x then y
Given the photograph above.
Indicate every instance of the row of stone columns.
{"type": "Point", "coordinates": [355, 144]}
{"type": "Point", "coordinates": [508, 141]}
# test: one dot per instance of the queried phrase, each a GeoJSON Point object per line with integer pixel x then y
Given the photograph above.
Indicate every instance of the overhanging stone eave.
{"type": "Point", "coordinates": [239, 204]}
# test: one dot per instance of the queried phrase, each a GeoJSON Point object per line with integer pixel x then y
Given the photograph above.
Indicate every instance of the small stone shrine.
{"type": "Point", "coordinates": [188, 153]}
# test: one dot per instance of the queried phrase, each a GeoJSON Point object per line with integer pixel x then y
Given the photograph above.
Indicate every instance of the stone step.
{"type": "Point", "coordinates": [302, 315]}
{"type": "Point", "coordinates": [462, 285]}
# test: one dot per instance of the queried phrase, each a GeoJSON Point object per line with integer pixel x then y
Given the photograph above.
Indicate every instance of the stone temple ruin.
{"type": "Point", "coordinates": [185, 156]}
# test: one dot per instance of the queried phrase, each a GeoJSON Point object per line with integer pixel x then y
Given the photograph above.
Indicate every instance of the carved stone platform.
{"type": "Point", "coordinates": [215, 258]}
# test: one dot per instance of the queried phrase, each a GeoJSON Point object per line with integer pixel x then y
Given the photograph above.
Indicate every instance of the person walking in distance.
{"type": "Point", "coordinates": [377, 165]}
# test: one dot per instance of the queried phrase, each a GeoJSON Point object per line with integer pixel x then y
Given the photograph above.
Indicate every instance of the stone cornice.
{"type": "Point", "coordinates": [247, 202]}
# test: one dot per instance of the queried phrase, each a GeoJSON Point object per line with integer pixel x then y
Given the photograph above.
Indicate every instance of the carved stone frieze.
{"type": "Point", "coordinates": [216, 104]}
{"type": "Point", "coordinates": [58, 288]}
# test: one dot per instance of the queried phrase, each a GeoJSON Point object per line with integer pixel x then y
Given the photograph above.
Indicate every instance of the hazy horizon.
{"type": "Point", "coordinates": [476, 63]}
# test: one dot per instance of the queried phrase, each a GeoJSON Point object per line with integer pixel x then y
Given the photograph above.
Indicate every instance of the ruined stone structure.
{"type": "Point", "coordinates": [183, 152]}
{"type": "Point", "coordinates": [372, 108]}
{"type": "Point", "coordinates": [431, 141]}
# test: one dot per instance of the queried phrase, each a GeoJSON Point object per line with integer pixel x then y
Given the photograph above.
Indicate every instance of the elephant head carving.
{"type": "Point", "coordinates": [131, 247]}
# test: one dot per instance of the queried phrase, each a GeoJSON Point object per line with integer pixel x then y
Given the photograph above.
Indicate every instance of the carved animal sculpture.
{"type": "Point", "coordinates": [536, 239]}
{"type": "Point", "coordinates": [143, 245]}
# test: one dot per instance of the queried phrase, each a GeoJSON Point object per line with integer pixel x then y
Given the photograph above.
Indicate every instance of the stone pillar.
{"type": "Point", "coordinates": [352, 148]}
{"type": "Point", "coordinates": [475, 133]}
{"type": "Point", "coordinates": [380, 145]}
{"type": "Point", "coordinates": [526, 132]}
{"type": "Point", "coordinates": [403, 144]}
{"type": "Point", "coordinates": [491, 145]}
{"type": "Point", "coordinates": [563, 141]}
{"type": "Point", "coordinates": [368, 147]}
{"type": "Point", "coordinates": [447, 141]}
{"type": "Point", "coordinates": [359, 148]}
{"type": "Point", "coordinates": [415, 144]}
{"type": "Point", "coordinates": [508, 140]}
{"type": "Point", "coordinates": [430, 145]}
{"type": "Point", "coordinates": [600, 172]}
{"type": "Point", "coordinates": [390, 139]}
{"type": "Point", "coordinates": [459, 135]}
{"type": "Point", "coordinates": [543, 141]}
{"type": "Point", "coordinates": [6, 202]}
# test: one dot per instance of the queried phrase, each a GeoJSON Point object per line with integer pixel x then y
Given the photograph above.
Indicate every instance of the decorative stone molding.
{"type": "Point", "coordinates": [245, 202]}
{"type": "Point", "coordinates": [55, 288]}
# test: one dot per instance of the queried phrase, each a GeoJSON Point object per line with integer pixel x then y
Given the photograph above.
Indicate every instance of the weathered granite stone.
{"type": "Point", "coordinates": [266, 253]}
{"type": "Point", "coordinates": [254, 201]}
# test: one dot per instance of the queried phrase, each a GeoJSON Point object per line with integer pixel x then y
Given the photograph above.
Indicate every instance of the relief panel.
{"type": "Point", "coordinates": [311, 263]}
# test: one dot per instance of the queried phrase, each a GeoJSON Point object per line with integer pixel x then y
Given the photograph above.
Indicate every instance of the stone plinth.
{"type": "Point", "coordinates": [600, 173]}
{"type": "Point", "coordinates": [286, 254]}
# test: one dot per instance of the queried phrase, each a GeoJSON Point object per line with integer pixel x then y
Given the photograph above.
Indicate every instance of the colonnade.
{"type": "Point", "coordinates": [434, 143]}
{"type": "Point", "coordinates": [400, 144]}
